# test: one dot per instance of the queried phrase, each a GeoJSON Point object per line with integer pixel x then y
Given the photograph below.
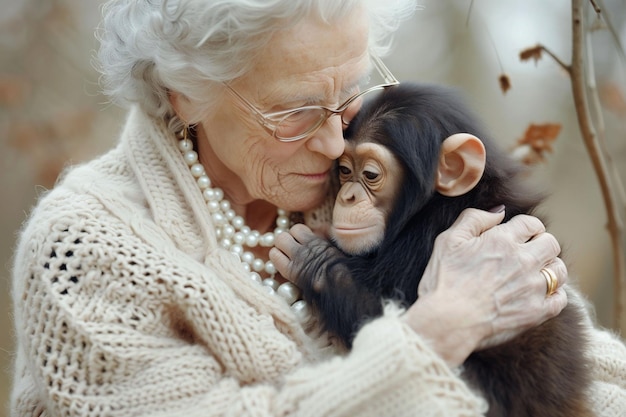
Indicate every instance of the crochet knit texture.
{"type": "Point", "coordinates": [125, 305]}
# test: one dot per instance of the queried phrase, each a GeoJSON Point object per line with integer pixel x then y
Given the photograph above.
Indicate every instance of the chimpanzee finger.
{"type": "Point", "coordinates": [287, 244]}
{"type": "Point", "coordinates": [282, 263]}
{"type": "Point", "coordinates": [302, 233]}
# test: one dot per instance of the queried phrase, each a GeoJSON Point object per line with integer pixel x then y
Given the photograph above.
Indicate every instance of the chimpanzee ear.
{"type": "Point", "coordinates": [461, 164]}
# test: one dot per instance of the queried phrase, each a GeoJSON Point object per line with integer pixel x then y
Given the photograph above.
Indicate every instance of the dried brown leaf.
{"type": "Point", "coordinates": [531, 53]}
{"type": "Point", "coordinates": [505, 83]}
{"type": "Point", "coordinates": [536, 142]}
{"type": "Point", "coordinates": [526, 155]}
{"type": "Point", "coordinates": [613, 99]}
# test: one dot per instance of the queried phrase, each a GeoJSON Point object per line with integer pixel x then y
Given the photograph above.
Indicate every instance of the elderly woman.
{"type": "Point", "coordinates": [142, 283]}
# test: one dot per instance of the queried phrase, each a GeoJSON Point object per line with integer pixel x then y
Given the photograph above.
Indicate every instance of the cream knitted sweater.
{"type": "Point", "coordinates": [126, 306]}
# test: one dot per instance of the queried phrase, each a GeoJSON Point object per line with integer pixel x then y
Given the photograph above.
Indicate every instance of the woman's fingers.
{"type": "Point", "coordinates": [522, 228]}
{"type": "Point", "coordinates": [473, 222]}
{"type": "Point", "coordinates": [493, 273]}
{"type": "Point", "coordinates": [555, 303]}
{"type": "Point", "coordinates": [560, 270]}
{"type": "Point", "coordinates": [543, 247]}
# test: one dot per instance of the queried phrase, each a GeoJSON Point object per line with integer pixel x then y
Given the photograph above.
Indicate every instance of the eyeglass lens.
{"type": "Point", "coordinates": [298, 124]}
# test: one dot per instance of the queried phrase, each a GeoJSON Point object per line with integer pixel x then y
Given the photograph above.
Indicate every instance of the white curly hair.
{"type": "Point", "coordinates": [151, 47]}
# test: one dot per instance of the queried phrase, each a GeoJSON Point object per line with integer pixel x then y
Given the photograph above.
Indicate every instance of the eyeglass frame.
{"type": "Point", "coordinates": [270, 124]}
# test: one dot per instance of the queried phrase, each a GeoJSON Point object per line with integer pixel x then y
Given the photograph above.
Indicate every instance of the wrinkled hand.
{"type": "Point", "coordinates": [483, 284]}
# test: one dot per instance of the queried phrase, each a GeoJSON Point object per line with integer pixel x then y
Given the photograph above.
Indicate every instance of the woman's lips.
{"type": "Point", "coordinates": [317, 177]}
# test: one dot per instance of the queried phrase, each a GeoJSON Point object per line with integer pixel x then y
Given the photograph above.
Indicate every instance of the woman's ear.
{"type": "Point", "coordinates": [461, 164]}
{"type": "Point", "coordinates": [181, 106]}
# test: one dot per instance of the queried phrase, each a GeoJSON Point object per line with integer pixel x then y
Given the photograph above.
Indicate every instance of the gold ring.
{"type": "Point", "coordinates": [551, 280]}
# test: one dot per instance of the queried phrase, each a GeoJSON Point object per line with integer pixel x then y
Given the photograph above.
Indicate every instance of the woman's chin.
{"type": "Point", "coordinates": [306, 201]}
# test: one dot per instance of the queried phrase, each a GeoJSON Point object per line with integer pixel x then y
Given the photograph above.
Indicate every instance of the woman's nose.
{"type": "Point", "coordinates": [328, 140]}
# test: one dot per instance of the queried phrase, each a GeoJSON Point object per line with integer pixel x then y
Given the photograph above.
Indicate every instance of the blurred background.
{"type": "Point", "coordinates": [52, 115]}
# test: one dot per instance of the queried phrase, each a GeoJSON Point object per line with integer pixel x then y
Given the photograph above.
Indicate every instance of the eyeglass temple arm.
{"type": "Point", "coordinates": [382, 68]}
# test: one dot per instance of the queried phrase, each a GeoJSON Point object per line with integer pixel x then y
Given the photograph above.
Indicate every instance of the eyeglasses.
{"type": "Point", "coordinates": [303, 122]}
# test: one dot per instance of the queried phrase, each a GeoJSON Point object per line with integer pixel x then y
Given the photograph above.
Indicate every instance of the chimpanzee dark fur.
{"type": "Point", "coordinates": [542, 373]}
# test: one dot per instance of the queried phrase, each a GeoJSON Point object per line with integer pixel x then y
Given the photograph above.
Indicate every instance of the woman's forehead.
{"type": "Point", "coordinates": [312, 58]}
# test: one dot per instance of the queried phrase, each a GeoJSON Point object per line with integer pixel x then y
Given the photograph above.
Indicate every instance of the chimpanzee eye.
{"type": "Point", "coordinates": [344, 170]}
{"type": "Point", "coordinates": [370, 175]}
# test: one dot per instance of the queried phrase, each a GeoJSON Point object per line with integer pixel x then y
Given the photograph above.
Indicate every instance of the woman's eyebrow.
{"type": "Point", "coordinates": [286, 99]}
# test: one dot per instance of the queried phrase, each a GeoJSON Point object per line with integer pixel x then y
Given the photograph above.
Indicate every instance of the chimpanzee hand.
{"type": "Point", "coordinates": [300, 252]}
{"type": "Point", "coordinates": [482, 285]}
{"type": "Point", "coordinates": [318, 268]}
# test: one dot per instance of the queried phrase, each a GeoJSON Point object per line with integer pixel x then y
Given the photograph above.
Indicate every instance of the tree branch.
{"type": "Point", "coordinates": [614, 225]}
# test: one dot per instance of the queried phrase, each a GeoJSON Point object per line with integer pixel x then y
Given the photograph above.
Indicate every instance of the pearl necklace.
{"type": "Point", "coordinates": [233, 234]}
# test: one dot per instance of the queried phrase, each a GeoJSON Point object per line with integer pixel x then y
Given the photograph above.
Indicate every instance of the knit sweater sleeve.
{"type": "Point", "coordinates": [606, 353]}
{"type": "Point", "coordinates": [608, 366]}
{"type": "Point", "coordinates": [110, 324]}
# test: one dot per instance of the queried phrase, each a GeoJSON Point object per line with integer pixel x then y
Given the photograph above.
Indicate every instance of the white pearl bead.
{"type": "Point", "coordinates": [247, 257]}
{"type": "Point", "coordinates": [208, 194]}
{"type": "Point", "coordinates": [197, 170]}
{"type": "Point", "coordinates": [269, 290]}
{"type": "Point", "coordinates": [270, 268]}
{"type": "Point", "coordinates": [230, 214]}
{"type": "Point", "coordinates": [281, 212]}
{"type": "Point", "coordinates": [252, 240]}
{"type": "Point", "coordinates": [191, 157]}
{"type": "Point", "coordinates": [228, 230]}
{"type": "Point", "coordinates": [247, 267]}
{"type": "Point", "coordinates": [218, 218]}
{"type": "Point", "coordinates": [288, 292]}
{"type": "Point", "coordinates": [301, 310]}
{"type": "Point", "coordinates": [254, 276]}
{"type": "Point", "coordinates": [245, 230]}
{"type": "Point", "coordinates": [238, 222]}
{"type": "Point", "coordinates": [185, 145]}
{"type": "Point", "coordinates": [282, 221]}
{"type": "Point", "coordinates": [219, 233]}
{"type": "Point", "coordinates": [271, 282]}
{"type": "Point", "coordinates": [225, 205]}
{"type": "Point", "coordinates": [258, 265]}
{"type": "Point", "coordinates": [219, 194]}
{"type": "Point", "coordinates": [267, 240]}
{"type": "Point", "coordinates": [203, 182]}
{"type": "Point", "coordinates": [239, 238]}
{"type": "Point", "coordinates": [213, 206]}
{"type": "Point", "coordinates": [226, 243]}
{"type": "Point", "coordinates": [238, 249]}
